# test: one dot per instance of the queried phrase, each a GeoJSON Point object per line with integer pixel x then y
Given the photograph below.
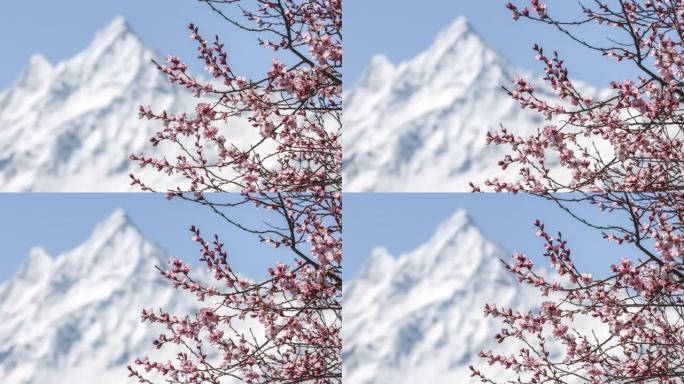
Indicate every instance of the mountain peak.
{"type": "Point", "coordinates": [39, 255]}
{"type": "Point", "coordinates": [458, 249]}
{"type": "Point", "coordinates": [116, 41]}
{"type": "Point", "coordinates": [79, 113]}
{"type": "Point", "coordinates": [117, 27]}
{"type": "Point", "coordinates": [77, 319]}
{"type": "Point", "coordinates": [37, 263]}
{"type": "Point", "coordinates": [36, 71]}
{"type": "Point", "coordinates": [458, 36]}
{"type": "Point", "coordinates": [117, 219]}
{"type": "Point", "coordinates": [379, 264]}
{"type": "Point", "coordinates": [116, 249]}
{"type": "Point", "coordinates": [380, 62]}
{"type": "Point", "coordinates": [425, 128]}
{"type": "Point", "coordinates": [456, 223]}
{"type": "Point", "coordinates": [39, 61]}
{"type": "Point", "coordinates": [427, 314]}
{"type": "Point", "coordinates": [459, 27]}
{"type": "Point", "coordinates": [378, 73]}
{"type": "Point", "coordinates": [117, 222]}
{"type": "Point", "coordinates": [409, 319]}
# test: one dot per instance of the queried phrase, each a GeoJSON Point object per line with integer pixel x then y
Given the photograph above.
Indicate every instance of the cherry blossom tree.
{"type": "Point", "coordinates": [624, 327]}
{"type": "Point", "coordinates": [282, 329]}
{"type": "Point", "coordinates": [285, 328]}
{"type": "Point", "coordinates": [296, 107]}
{"type": "Point", "coordinates": [629, 141]}
{"type": "Point", "coordinates": [623, 154]}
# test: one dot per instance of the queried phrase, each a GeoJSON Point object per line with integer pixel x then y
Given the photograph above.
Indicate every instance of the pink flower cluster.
{"type": "Point", "coordinates": [282, 329]}
{"type": "Point", "coordinates": [624, 155]}
{"type": "Point", "coordinates": [628, 140]}
{"type": "Point", "coordinates": [296, 107]}
{"type": "Point", "coordinates": [639, 305]}
{"type": "Point", "coordinates": [285, 328]}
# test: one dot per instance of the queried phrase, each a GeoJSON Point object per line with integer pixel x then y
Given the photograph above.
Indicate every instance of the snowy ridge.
{"type": "Point", "coordinates": [419, 317]}
{"type": "Point", "coordinates": [420, 125]}
{"type": "Point", "coordinates": [75, 318]}
{"type": "Point", "coordinates": [71, 126]}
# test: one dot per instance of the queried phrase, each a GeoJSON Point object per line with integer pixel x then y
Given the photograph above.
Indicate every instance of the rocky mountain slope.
{"type": "Point", "coordinates": [75, 318]}
{"type": "Point", "coordinates": [418, 317]}
{"type": "Point", "coordinates": [420, 125]}
{"type": "Point", "coordinates": [71, 126]}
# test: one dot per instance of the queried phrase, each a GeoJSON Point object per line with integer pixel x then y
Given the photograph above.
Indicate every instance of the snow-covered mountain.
{"type": "Point", "coordinates": [75, 318]}
{"type": "Point", "coordinates": [418, 318]}
{"type": "Point", "coordinates": [421, 125]}
{"type": "Point", "coordinates": [71, 126]}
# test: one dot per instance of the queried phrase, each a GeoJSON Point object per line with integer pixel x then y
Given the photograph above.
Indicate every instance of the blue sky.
{"type": "Point", "coordinates": [59, 222]}
{"type": "Point", "coordinates": [402, 221]}
{"type": "Point", "coordinates": [61, 28]}
{"type": "Point", "coordinates": [402, 29]}
{"type": "Point", "coordinates": [399, 222]}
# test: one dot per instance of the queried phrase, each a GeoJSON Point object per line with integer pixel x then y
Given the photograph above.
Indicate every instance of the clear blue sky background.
{"type": "Point", "coordinates": [59, 222]}
{"type": "Point", "coordinates": [61, 28]}
{"type": "Point", "coordinates": [402, 29]}
{"type": "Point", "coordinates": [401, 222]}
